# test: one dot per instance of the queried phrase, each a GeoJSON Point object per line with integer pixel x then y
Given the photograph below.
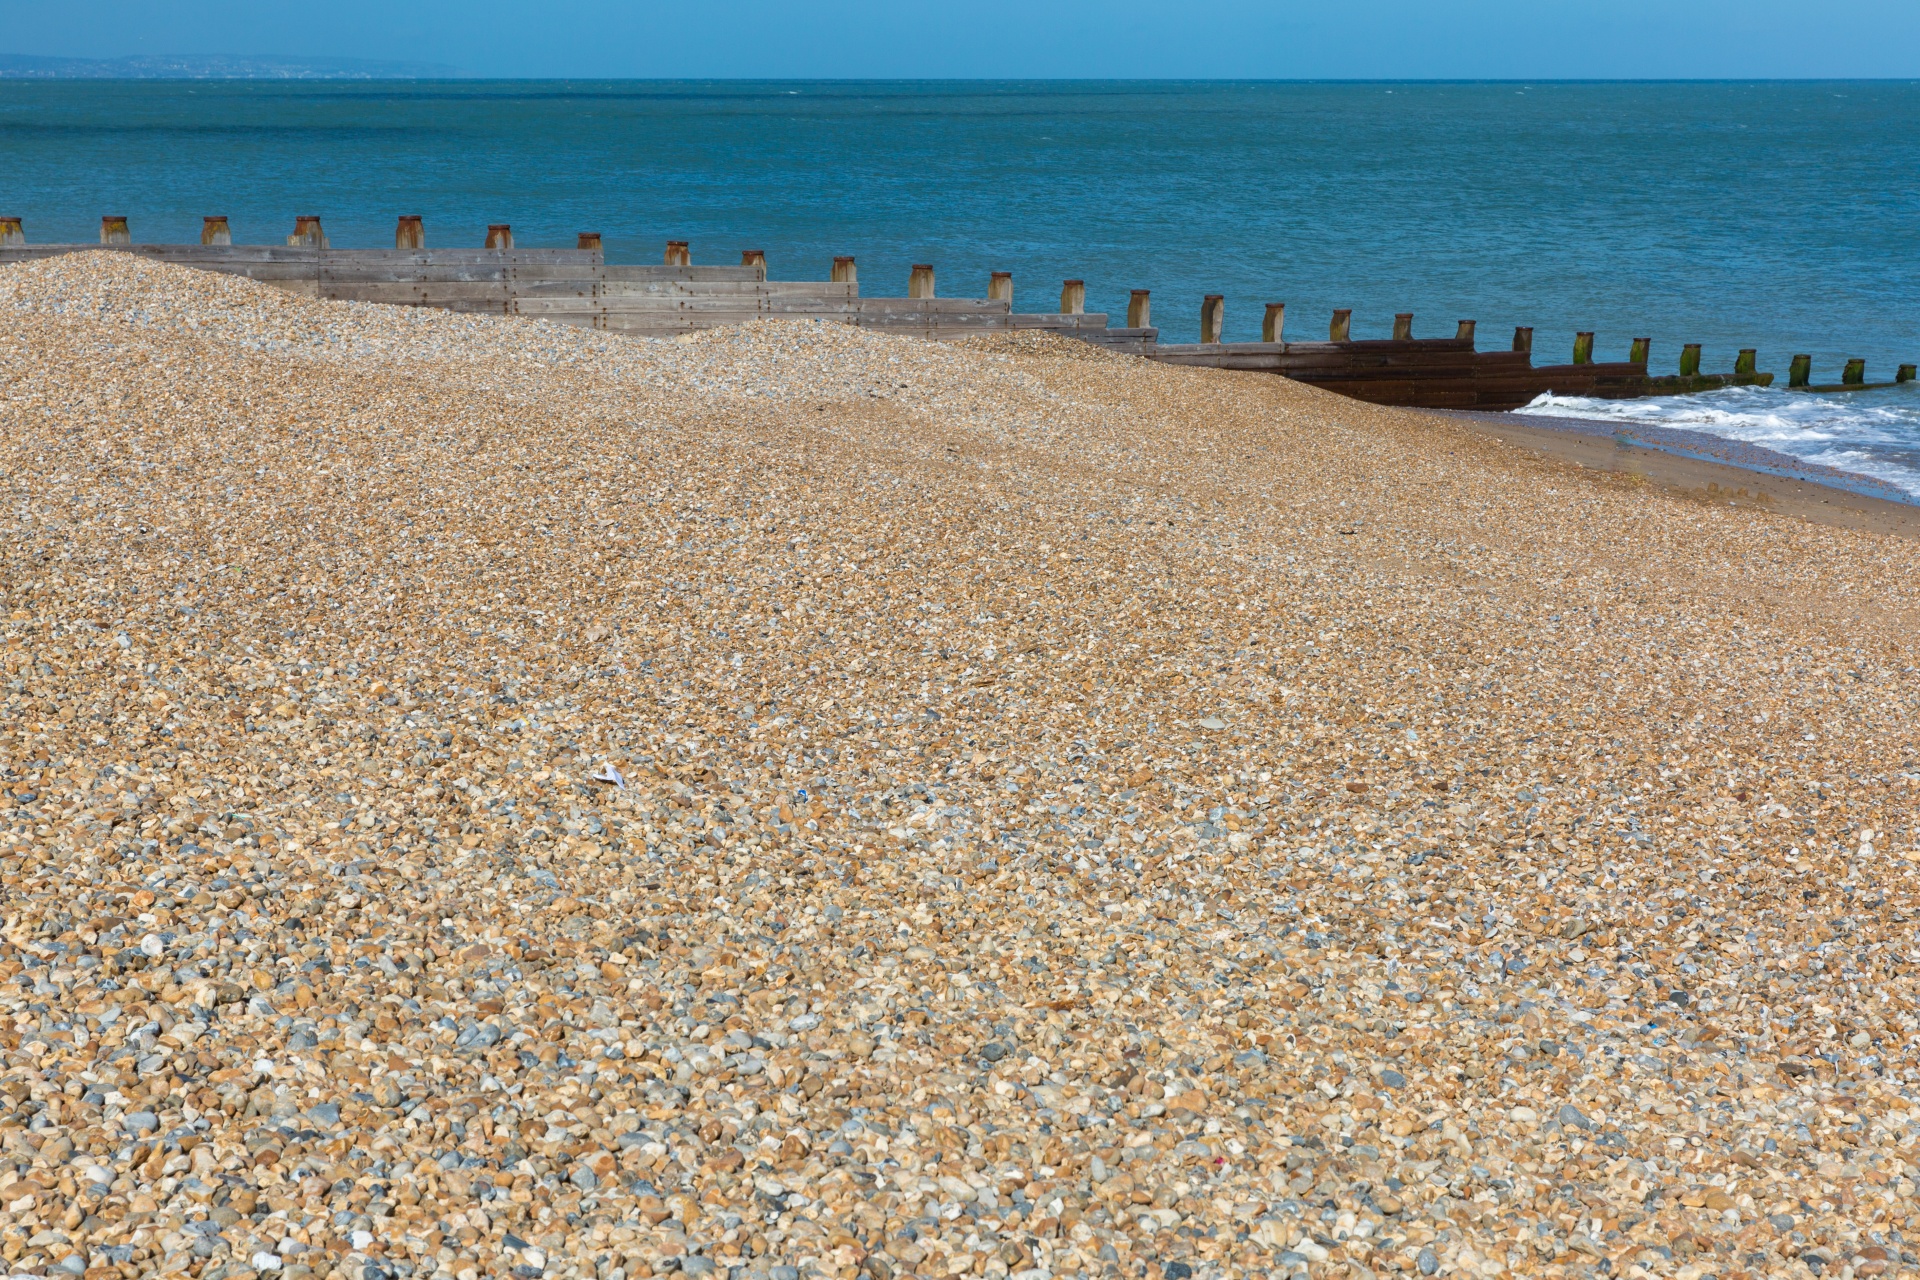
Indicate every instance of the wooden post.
{"type": "Point", "coordinates": [1744, 364]}
{"type": "Point", "coordinates": [1000, 287]}
{"type": "Point", "coordinates": [1275, 324]}
{"type": "Point", "coordinates": [410, 232]}
{"type": "Point", "coordinates": [1641, 346]}
{"type": "Point", "coordinates": [754, 258]}
{"type": "Point", "coordinates": [920, 280]}
{"type": "Point", "coordinates": [1690, 360]}
{"type": "Point", "coordinates": [1583, 348]}
{"type": "Point", "coordinates": [113, 229]}
{"type": "Point", "coordinates": [588, 240]}
{"type": "Point", "coordinates": [678, 254]}
{"type": "Point", "coordinates": [1523, 339]}
{"type": "Point", "coordinates": [307, 233]}
{"type": "Point", "coordinates": [844, 272]}
{"type": "Point", "coordinates": [1213, 317]}
{"type": "Point", "coordinates": [214, 230]}
{"type": "Point", "coordinates": [11, 236]}
{"type": "Point", "coordinates": [1800, 371]}
{"type": "Point", "coordinates": [1073, 298]}
{"type": "Point", "coordinates": [1465, 332]}
{"type": "Point", "coordinates": [1140, 309]}
{"type": "Point", "coordinates": [1855, 374]}
{"type": "Point", "coordinates": [1403, 327]}
{"type": "Point", "coordinates": [1905, 374]}
{"type": "Point", "coordinates": [499, 236]}
{"type": "Point", "coordinates": [1341, 330]}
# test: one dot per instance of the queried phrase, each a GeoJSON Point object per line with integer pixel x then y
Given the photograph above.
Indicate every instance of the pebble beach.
{"type": "Point", "coordinates": [482, 798]}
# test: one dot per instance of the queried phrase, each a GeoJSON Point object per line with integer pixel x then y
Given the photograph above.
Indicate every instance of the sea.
{"type": "Point", "coordinates": [1783, 216]}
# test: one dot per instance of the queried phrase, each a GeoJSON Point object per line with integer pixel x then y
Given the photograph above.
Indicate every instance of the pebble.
{"type": "Point", "coordinates": [487, 798]}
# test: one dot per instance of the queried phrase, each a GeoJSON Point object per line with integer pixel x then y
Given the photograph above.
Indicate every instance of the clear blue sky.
{"type": "Point", "coordinates": [1519, 39]}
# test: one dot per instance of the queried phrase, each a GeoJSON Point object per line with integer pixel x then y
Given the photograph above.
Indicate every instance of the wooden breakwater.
{"type": "Point", "coordinates": [578, 286]}
{"type": "Point", "coordinates": [1448, 373]}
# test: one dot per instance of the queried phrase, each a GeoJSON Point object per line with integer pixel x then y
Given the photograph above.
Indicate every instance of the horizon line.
{"type": "Point", "coordinates": [467, 77]}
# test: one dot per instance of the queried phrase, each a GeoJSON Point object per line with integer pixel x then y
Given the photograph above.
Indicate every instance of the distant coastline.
{"type": "Point", "coordinates": [183, 66]}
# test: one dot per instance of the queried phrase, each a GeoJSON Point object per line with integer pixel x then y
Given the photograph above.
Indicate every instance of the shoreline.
{"type": "Point", "coordinates": [1709, 468]}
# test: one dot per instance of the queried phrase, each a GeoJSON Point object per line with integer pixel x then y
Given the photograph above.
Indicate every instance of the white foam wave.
{"type": "Point", "coordinates": [1869, 433]}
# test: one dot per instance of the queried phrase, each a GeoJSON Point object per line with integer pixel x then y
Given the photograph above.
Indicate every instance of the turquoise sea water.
{"type": "Point", "coordinates": [1783, 216]}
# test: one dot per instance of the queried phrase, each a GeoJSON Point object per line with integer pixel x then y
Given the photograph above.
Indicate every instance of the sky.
{"type": "Point", "coordinates": [912, 39]}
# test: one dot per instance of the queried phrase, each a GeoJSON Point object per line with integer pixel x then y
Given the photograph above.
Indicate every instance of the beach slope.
{"type": "Point", "coordinates": [483, 798]}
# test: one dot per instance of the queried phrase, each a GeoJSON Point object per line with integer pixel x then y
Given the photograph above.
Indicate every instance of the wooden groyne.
{"type": "Point", "coordinates": [578, 286]}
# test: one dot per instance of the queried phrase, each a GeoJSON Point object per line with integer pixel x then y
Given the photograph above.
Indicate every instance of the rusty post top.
{"type": "Point", "coordinates": [843, 260]}
{"type": "Point", "coordinates": [1008, 275]}
{"type": "Point", "coordinates": [1142, 293]}
{"type": "Point", "coordinates": [923, 266]}
{"type": "Point", "coordinates": [587, 240]}
{"type": "Point", "coordinates": [412, 219]}
{"type": "Point", "coordinates": [753, 257]}
{"type": "Point", "coordinates": [211, 217]}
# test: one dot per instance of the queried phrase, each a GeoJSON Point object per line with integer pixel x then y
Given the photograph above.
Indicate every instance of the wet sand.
{"type": "Point", "coordinates": [1745, 477]}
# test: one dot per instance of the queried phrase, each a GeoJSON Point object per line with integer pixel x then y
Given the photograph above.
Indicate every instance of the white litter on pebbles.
{"type": "Point", "coordinates": [482, 796]}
